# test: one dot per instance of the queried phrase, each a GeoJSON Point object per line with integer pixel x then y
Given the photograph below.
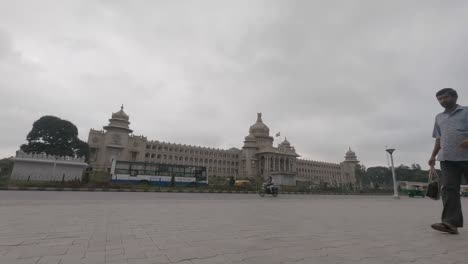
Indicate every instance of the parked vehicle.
{"type": "Point", "coordinates": [242, 184]}
{"type": "Point", "coordinates": [158, 174]}
{"type": "Point", "coordinates": [418, 191]}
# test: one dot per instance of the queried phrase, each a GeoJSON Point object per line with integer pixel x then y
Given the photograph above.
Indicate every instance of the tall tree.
{"type": "Point", "coordinates": [360, 172]}
{"type": "Point", "coordinates": [55, 136]}
{"type": "Point", "coordinates": [378, 175]}
{"type": "Point", "coordinates": [6, 165]}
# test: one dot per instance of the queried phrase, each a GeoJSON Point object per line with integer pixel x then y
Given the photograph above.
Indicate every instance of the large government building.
{"type": "Point", "coordinates": [257, 159]}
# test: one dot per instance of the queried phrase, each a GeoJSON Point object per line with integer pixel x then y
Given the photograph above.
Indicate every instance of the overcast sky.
{"type": "Point", "coordinates": [326, 74]}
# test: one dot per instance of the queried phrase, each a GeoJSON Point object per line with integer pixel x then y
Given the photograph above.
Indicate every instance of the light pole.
{"type": "Point", "coordinates": [395, 188]}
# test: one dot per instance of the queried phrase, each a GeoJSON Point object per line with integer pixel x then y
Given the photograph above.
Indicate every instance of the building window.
{"type": "Point", "coordinates": [147, 155]}
{"type": "Point", "coordinates": [134, 155]}
{"type": "Point", "coordinates": [152, 156]}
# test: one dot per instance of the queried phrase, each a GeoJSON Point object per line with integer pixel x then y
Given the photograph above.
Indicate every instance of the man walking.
{"type": "Point", "coordinates": [451, 149]}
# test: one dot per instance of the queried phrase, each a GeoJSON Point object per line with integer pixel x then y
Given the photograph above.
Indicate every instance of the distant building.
{"type": "Point", "coordinates": [257, 159]}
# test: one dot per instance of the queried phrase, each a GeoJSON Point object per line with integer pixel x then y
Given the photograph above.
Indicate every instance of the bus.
{"type": "Point", "coordinates": [158, 174]}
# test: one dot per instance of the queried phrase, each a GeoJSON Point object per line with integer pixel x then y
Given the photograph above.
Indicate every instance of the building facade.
{"type": "Point", "coordinates": [257, 159]}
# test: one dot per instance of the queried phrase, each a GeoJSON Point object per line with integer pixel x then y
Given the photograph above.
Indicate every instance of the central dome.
{"type": "Point", "coordinates": [259, 129]}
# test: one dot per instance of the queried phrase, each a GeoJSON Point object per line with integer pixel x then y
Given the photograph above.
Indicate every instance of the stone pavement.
{"type": "Point", "coordinates": [144, 228]}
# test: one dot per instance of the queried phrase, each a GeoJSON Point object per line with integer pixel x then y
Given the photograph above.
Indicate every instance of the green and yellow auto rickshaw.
{"type": "Point", "coordinates": [417, 191]}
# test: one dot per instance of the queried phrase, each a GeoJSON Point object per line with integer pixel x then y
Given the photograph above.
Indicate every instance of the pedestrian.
{"type": "Point", "coordinates": [451, 149]}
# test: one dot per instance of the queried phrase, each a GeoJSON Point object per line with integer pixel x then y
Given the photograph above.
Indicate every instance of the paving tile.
{"type": "Point", "coordinates": [137, 228]}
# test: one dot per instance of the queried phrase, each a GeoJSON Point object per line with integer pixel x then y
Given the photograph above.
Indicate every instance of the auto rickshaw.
{"type": "Point", "coordinates": [417, 191]}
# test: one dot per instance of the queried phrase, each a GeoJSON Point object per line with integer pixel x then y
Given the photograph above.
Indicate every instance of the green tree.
{"type": "Point", "coordinates": [6, 166]}
{"type": "Point", "coordinates": [54, 136]}
{"type": "Point", "coordinates": [360, 172]}
{"type": "Point", "coordinates": [382, 176]}
{"type": "Point", "coordinates": [379, 176]}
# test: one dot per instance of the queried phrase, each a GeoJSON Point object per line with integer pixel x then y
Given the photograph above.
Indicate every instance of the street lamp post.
{"type": "Point", "coordinates": [395, 188]}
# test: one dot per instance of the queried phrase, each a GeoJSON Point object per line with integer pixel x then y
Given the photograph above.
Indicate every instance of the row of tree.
{"type": "Point", "coordinates": [381, 177]}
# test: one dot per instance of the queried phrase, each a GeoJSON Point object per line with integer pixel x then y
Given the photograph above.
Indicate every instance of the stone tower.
{"type": "Point", "coordinates": [110, 143]}
{"type": "Point", "coordinates": [348, 167]}
{"type": "Point", "coordinates": [260, 159]}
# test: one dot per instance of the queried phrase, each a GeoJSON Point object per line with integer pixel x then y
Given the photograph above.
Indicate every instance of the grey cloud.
{"type": "Point", "coordinates": [328, 75]}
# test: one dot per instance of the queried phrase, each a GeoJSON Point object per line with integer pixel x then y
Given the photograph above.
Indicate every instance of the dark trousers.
{"type": "Point", "coordinates": [452, 172]}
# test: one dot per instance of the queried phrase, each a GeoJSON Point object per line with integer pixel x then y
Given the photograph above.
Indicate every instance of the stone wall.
{"type": "Point", "coordinates": [42, 167]}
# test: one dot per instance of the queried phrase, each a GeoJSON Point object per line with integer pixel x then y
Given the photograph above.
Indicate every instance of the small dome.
{"type": "Point", "coordinates": [120, 114]}
{"type": "Point", "coordinates": [250, 137]}
{"type": "Point", "coordinates": [286, 143]}
{"type": "Point", "coordinates": [350, 155]}
{"type": "Point", "coordinates": [119, 120]}
{"type": "Point", "coordinates": [259, 128]}
{"type": "Point", "coordinates": [250, 141]}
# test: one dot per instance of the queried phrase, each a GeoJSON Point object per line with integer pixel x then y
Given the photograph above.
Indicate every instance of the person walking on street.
{"type": "Point", "coordinates": [451, 149]}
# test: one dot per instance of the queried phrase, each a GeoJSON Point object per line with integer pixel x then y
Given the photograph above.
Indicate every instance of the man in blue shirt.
{"type": "Point", "coordinates": [451, 149]}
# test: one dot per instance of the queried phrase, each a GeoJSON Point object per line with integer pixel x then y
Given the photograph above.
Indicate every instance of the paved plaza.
{"type": "Point", "coordinates": [145, 228]}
